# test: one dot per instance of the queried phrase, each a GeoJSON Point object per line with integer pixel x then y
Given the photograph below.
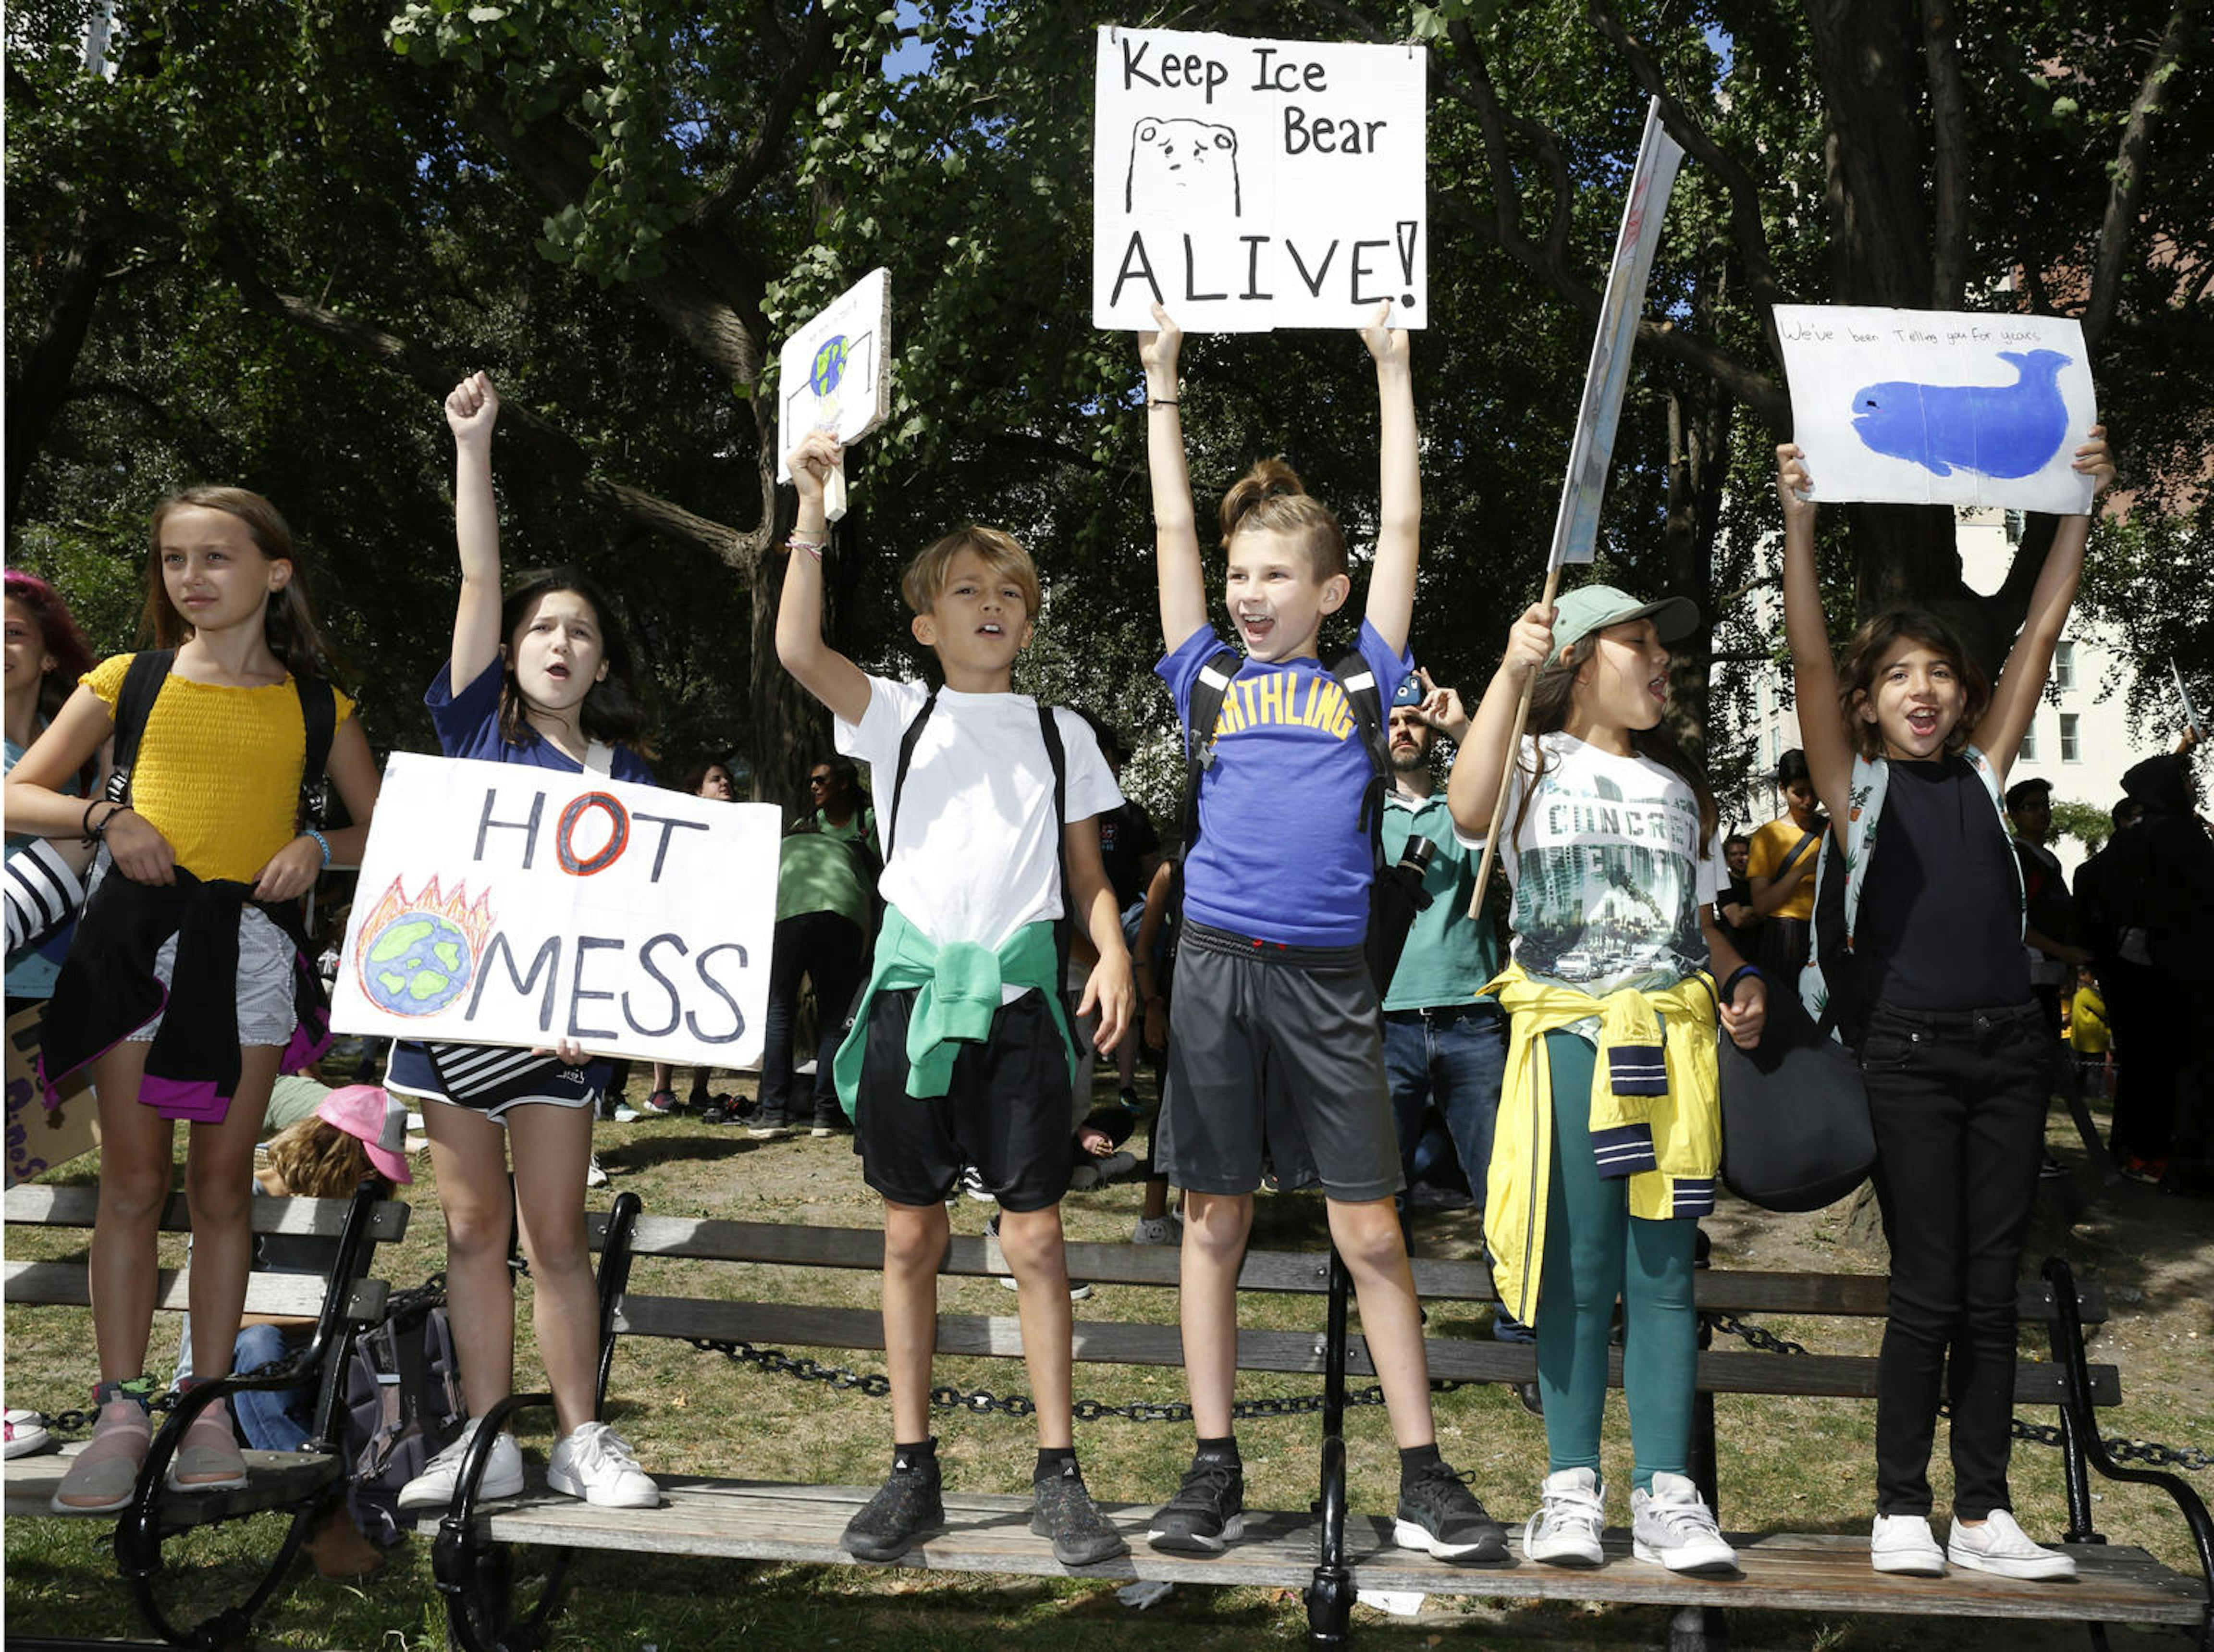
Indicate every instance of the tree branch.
{"type": "Point", "coordinates": [1948, 144]}
{"type": "Point", "coordinates": [776, 121]}
{"type": "Point", "coordinates": [2126, 191]}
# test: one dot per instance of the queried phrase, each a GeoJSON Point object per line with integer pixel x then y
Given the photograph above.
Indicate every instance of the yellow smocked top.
{"type": "Point", "coordinates": [218, 768]}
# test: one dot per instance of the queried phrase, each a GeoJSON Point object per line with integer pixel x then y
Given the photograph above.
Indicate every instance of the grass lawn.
{"type": "Point", "coordinates": [1796, 1464]}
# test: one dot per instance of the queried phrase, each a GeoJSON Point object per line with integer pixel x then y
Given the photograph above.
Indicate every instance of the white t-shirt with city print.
{"type": "Point", "coordinates": [1608, 869]}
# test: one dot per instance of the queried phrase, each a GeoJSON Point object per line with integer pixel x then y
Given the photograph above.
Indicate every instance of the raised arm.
{"type": "Point", "coordinates": [817, 667]}
{"type": "Point", "coordinates": [1399, 528]}
{"type": "Point", "coordinates": [1176, 530]}
{"type": "Point", "coordinates": [1472, 789]}
{"type": "Point", "coordinates": [472, 409]}
{"type": "Point", "coordinates": [1822, 730]}
{"type": "Point", "coordinates": [2021, 680]}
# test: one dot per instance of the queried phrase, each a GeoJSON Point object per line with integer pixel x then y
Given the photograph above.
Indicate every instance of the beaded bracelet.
{"type": "Point", "coordinates": [322, 843]}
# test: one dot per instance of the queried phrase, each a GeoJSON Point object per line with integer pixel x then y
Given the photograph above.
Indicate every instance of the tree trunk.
{"type": "Point", "coordinates": [1698, 468]}
{"type": "Point", "coordinates": [37, 393]}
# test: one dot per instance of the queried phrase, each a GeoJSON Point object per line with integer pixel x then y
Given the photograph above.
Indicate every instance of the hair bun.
{"type": "Point", "coordinates": [1270, 479]}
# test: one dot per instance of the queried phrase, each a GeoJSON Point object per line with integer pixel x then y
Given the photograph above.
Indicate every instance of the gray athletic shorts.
{"type": "Point", "coordinates": [1275, 1056]}
{"type": "Point", "coordinates": [268, 985]}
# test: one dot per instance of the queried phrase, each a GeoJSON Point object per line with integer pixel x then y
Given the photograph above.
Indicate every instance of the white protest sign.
{"type": "Point", "coordinates": [1255, 184]}
{"type": "Point", "coordinates": [1575, 525]}
{"type": "Point", "coordinates": [1914, 407]}
{"type": "Point", "coordinates": [834, 374]}
{"type": "Point", "coordinates": [2183, 694]}
{"type": "Point", "coordinates": [504, 904]}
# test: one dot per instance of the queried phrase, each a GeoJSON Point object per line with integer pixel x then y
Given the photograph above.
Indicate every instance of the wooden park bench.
{"type": "Point", "coordinates": [1329, 1553]}
{"type": "Point", "coordinates": [341, 1302]}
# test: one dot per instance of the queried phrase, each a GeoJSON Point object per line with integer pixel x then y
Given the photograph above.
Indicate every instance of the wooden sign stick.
{"type": "Point", "coordinates": [1506, 774]}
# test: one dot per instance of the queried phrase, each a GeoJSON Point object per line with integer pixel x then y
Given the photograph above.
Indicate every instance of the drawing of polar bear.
{"type": "Point", "coordinates": [1189, 164]}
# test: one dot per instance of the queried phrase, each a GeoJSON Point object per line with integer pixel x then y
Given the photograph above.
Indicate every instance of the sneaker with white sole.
{"type": "Point", "coordinates": [1902, 1546]}
{"type": "Point", "coordinates": [1208, 1513]}
{"type": "Point", "coordinates": [27, 1433]}
{"type": "Point", "coordinates": [434, 1487]}
{"type": "Point", "coordinates": [1159, 1230]}
{"type": "Point", "coordinates": [1564, 1532]}
{"type": "Point", "coordinates": [595, 1463]}
{"type": "Point", "coordinates": [2000, 1547]}
{"type": "Point", "coordinates": [594, 1175]}
{"type": "Point", "coordinates": [1670, 1526]}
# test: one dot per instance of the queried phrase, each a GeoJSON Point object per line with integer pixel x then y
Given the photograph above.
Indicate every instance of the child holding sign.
{"type": "Point", "coordinates": [544, 679]}
{"type": "Point", "coordinates": [962, 1052]}
{"type": "Point", "coordinates": [1919, 962]}
{"type": "Point", "coordinates": [1276, 1041]}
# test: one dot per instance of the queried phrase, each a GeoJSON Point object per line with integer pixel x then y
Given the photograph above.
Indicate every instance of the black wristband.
{"type": "Point", "coordinates": [1729, 987]}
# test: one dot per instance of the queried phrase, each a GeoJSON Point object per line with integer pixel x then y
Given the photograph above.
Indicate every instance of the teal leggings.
{"type": "Point", "coordinates": [1594, 1252]}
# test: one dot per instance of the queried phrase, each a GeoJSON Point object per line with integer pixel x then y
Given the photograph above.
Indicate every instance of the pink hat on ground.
{"type": "Point", "coordinates": [376, 1120]}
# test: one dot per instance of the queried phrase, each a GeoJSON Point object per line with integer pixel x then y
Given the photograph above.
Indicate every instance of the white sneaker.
{"type": "Point", "coordinates": [1998, 1547]}
{"type": "Point", "coordinates": [1564, 1532]}
{"type": "Point", "coordinates": [594, 1175]}
{"type": "Point", "coordinates": [27, 1433]}
{"type": "Point", "coordinates": [625, 1114]}
{"type": "Point", "coordinates": [595, 1463]}
{"type": "Point", "coordinates": [434, 1487]}
{"type": "Point", "coordinates": [972, 1184]}
{"type": "Point", "coordinates": [1159, 1230]}
{"type": "Point", "coordinates": [1670, 1526]}
{"type": "Point", "coordinates": [1902, 1543]}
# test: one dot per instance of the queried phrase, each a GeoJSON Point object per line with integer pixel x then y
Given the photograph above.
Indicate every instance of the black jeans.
{"type": "Point", "coordinates": [830, 949]}
{"type": "Point", "coordinates": [1958, 1100]}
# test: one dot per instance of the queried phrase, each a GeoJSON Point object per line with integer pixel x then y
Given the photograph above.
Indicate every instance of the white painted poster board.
{"type": "Point", "coordinates": [1911, 406]}
{"type": "Point", "coordinates": [1250, 184]}
{"type": "Point", "coordinates": [834, 374]}
{"type": "Point", "coordinates": [504, 904]}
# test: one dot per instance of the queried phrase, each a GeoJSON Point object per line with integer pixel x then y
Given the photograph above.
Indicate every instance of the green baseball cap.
{"type": "Point", "coordinates": [1593, 607]}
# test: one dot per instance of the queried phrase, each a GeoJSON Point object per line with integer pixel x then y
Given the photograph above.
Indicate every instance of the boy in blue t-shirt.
{"type": "Point", "coordinates": [1275, 1048]}
{"type": "Point", "coordinates": [962, 1052]}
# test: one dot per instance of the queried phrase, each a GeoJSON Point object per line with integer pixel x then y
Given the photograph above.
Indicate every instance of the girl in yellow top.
{"type": "Point", "coordinates": [208, 852]}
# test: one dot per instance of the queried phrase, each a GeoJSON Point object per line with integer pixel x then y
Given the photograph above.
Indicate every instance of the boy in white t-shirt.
{"type": "Point", "coordinates": [962, 1053]}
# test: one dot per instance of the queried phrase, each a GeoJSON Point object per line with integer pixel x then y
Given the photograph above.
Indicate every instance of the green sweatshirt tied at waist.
{"type": "Point", "coordinates": [957, 992]}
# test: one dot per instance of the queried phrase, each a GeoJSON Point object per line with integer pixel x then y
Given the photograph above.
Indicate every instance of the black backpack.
{"type": "Point", "coordinates": [401, 1407]}
{"type": "Point", "coordinates": [142, 687]}
{"type": "Point", "coordinates": [1393, 900]}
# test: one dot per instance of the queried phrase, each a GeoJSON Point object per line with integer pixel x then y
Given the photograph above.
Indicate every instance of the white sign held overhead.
{"type": "Point", "coordinates": [504, 904]}
{"type": "Point", "coordinates": [834, 374]}
{"type": "Point", "coordinates": [1915, 407]}
{"type": "Point", "coordinates": [1248, 185]}
{"type": "Point", "coordinates": [2183, 694]}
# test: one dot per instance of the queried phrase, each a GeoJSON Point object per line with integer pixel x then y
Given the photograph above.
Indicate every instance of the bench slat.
{"type": "Point", "coordinates": [1721, 1290]}
{"type": "Point", "coordinates": [64, 1284]}
{"type": "Point", "coordinates": [35, 1205]}
{"type": "Point", "coordinates": [754, 1521]}
{"type": "Point", "coordinates": [275, 1479]}
{"type": "Point", "coordinates": [786, 1326]}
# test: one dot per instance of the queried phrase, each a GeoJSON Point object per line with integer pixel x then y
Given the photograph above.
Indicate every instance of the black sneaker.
{"type": "Point", "coordinates": [1440, 1513]}
{"type": "Point", "coordinates": [1066, 1513]}
{"type": "Point", "coordinates": [908, 1506]}
{"type": "Point", "coordinates": [1208, 1513]}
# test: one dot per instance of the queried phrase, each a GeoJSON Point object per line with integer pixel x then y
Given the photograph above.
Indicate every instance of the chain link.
{"type": "Point", "coordinates": [2149, 1451]}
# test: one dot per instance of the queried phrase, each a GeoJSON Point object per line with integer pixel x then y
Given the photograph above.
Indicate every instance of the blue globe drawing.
{"type": "Point", "coordinates": [829, 367]}
{"type": "Point", "coordinates": [416, 965]}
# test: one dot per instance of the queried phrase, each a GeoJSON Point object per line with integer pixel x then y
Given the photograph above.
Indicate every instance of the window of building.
{"type": "Point", "coordinates": [2028, 753]}
{"type": "Point", "coordinates": [2063, 667]}
{"type": "Point", "coordinates": [2070, 745]}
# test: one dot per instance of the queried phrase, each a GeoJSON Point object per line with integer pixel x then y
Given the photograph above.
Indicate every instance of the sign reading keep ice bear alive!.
{"type": "Point", "coordinates": [1248, 184]}
{"type": "Point", "coordinates": [1916, 407]}
{"type": "Point", "coordinates": [503, 904]}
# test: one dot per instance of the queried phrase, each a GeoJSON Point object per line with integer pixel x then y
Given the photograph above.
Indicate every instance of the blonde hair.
{"type": "Point", "coordinates": [999, 551]}
{"type": "Point", "coordinates": [1269, 498]}
{"type": "Point", "coordinates": [315, 1160]}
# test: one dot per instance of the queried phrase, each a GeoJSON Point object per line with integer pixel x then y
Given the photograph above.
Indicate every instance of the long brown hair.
{"type": "Point", "coordinates": [1551, 702]}
{"type": "Point", "coordinates": [294, 631]}
{"type": "Point", "coordinates": [315, 1160]}
{"type": "Point", "coordinates": [1270, 498]}
{"type": "Point", "coordinates": [1864, 655]}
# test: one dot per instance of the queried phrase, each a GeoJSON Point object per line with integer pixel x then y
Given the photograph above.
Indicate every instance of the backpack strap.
{"type": "Point", "coordinates": [142, 687]}
{"type": "Point", "coordinates": [907, 743]}
{"type": "Point", "coordinates": [1359, 680]}
{"type": "Point", "coordinates": [318, 719]}
{"type": "Point", "coordinates": [1208, 691]}
{"type": "Point", "coordinates": [1063, 932]}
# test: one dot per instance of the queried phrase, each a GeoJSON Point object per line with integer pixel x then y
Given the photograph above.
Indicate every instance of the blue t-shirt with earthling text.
{"type": "Point", "coordinates": [1282, 854]}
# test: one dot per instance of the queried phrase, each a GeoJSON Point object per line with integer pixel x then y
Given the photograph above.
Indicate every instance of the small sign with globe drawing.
{"type": "Point", "coordinates": [508, 905]}
{"type": "Point", "coordinates": [834, 374]}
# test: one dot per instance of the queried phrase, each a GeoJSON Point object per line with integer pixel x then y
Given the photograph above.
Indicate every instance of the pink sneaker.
{"type": "Point", "coordinates": [103, 1476]}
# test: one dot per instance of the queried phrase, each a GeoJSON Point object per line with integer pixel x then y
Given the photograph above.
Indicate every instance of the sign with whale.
{"type": "Point", "coordinates": [504, 904]}
{"type": "Point", "coordinates": [1914, 407]}
{"type": "Point", "coordinates": [1250, 184]}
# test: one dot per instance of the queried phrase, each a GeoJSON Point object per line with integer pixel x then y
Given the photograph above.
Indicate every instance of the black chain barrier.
{"type": "Point", "coordinates": [2151, 1452]}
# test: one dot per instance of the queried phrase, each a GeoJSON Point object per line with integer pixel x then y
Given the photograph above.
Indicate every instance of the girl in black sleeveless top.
{"type": "Point", "coordinates": [1912, 767]}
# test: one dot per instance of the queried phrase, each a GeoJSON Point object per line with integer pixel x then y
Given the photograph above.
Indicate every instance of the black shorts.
{"type": "Point", "coordinates": [1006, 1112]}
{"type": "Point", "coordinates": [1275, 1054]}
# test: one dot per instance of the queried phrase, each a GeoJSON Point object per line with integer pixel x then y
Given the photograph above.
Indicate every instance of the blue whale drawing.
{"type": "Point", "coordinates": [1998, 430]}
